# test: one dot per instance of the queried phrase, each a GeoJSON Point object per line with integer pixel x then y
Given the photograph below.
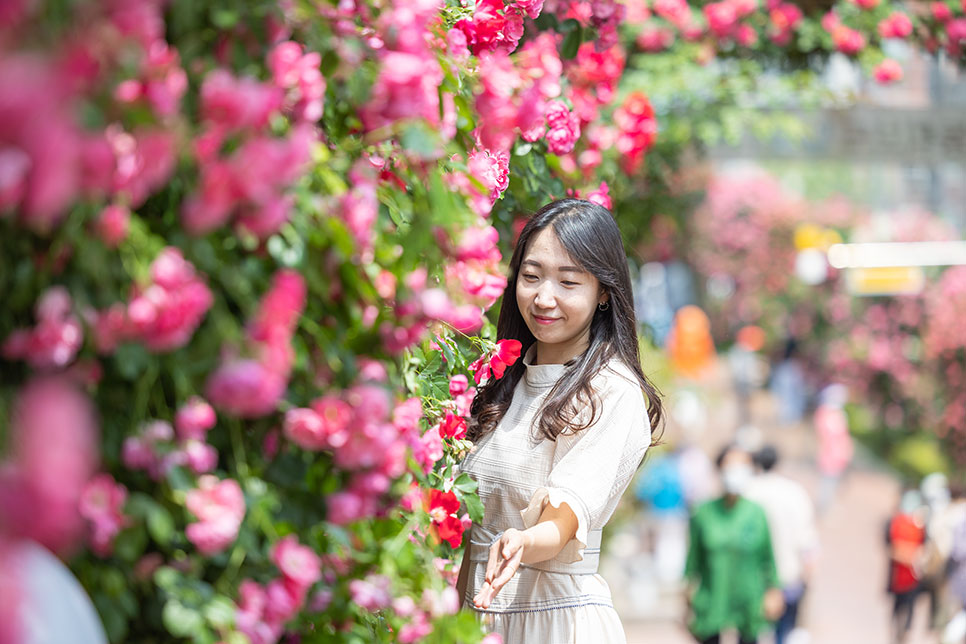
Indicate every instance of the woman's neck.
{"type": "Point", "coordinates": [560, 353]}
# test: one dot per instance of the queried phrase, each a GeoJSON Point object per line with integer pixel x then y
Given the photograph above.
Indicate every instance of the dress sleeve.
{"type": "Point", "coordinates": [593, 467]}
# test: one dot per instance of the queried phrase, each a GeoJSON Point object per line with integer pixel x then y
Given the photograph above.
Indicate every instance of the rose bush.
{"type": "Point", "coordinates": [247, 253]}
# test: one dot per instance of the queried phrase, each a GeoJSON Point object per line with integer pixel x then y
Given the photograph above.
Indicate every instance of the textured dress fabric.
{"type": "Point", "coordinates": [562, 600]}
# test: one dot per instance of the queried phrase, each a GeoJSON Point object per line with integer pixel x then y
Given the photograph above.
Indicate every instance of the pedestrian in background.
{"type": "Point", "coordinates": [834, 441]}
{"type": "Point", "coordinates": [955, 632]}
{"type": "Point", "coordinates": [905, 537]}
{"type": "Point", "coordinates": [794, 538]}
{"type": "Point", "coordinates": [730, 569]}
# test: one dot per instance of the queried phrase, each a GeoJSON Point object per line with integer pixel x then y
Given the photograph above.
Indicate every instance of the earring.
{"type": "Point", "coordinates": [603, 306]}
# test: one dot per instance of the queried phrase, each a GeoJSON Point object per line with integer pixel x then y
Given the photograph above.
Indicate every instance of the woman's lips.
{"type": "Point", "coordinates": [544, 320]}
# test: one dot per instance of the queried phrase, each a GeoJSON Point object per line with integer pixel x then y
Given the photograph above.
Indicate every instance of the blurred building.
{"type": "Point", "coordinates": [888, 148]}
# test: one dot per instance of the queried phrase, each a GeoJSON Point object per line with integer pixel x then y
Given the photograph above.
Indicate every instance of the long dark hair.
{"type": "Point", "coordinates": [589, 234]}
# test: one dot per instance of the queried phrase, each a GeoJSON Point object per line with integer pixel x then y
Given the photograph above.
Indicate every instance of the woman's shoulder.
{"type": "Point", "coordinates": [618, 380]}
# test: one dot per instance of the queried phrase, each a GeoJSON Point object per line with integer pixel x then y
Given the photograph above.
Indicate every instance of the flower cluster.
{"type": "Point", "coordinates": [56, 338]}
{"type": "Point", "coordinates": [53, 440]}
{"type": "Point", "coordinates": [637, 130]}
{"type": "Point", "coordinates": [48, 159]}
{"type": "Point", "coordinates": [263, 610]}
{"type": "Point", "coordinates": [219, 506]}
{"type": "Point", "coordinates": [162, 315]}
{"type": "Point", "coordinates": [443, 508]}
{"type": "Point", "coordinates": [101, 503]}
{"type": "Point", "coordinates": [494, 364]}
{"type": "Point", "coordinates": [154, 448]}
{"type": "Point", "coordinates": [250, 387]}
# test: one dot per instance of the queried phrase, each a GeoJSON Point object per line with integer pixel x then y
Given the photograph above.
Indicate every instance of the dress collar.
{"type": "Point", "coordinates": [541, 375]}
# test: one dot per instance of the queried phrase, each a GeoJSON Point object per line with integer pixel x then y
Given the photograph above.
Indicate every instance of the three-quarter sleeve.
{"type": "Point", "coordinates": [593, 467]}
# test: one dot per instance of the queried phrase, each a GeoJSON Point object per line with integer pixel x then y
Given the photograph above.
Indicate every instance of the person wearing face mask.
{"type": "Point", "coordinates": [730, 569]}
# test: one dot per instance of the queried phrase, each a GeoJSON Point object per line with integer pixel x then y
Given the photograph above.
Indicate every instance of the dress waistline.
{"type": "Point", "coordinates": [482, 538]}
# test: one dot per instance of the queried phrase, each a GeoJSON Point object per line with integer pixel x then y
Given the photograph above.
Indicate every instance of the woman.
{"type": "Point", "coordinates": [560, 435]}
{"type": "Point", "coordinates": [730, 564]}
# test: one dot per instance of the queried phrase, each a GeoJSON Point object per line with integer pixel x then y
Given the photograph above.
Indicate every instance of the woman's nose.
{"type": "Point", "coordinates": [544, 298]}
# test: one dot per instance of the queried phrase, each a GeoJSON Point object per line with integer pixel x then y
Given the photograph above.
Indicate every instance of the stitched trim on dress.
{"type": "Point", "coordinates": [541, 610]}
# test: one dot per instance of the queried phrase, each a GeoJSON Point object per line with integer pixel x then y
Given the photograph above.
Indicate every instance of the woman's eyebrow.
{"type": "Point", "coordinates": [569, 269]}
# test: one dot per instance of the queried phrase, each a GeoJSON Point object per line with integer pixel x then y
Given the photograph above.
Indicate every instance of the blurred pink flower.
{"type": "Point", "coordinates": [371, 593]}
{"type": "Point", "coordinates": [897, 25]}
{"type": "Point", "coordinates": [245, 388]}
{"type": "Point", "coordinates": [220, 508]}
{"type": "Point", "coordinates": [101, 503]}
{"type": "Point", "coordinates": [493, 27]}
{"type": "Point", "coordinates": [235, 103]}
{"type": "Point", "coordinates": [601, 196]}
{"type": "Point", "coordinates": [56, 338]}
{"type": "Point", "coordinates": [564, 128]}
{"type": "Point", "coordinates": [306, 428]}
{"type": "Point", "coordinates": [194, 418]}
{"type": "Point", "coordinates": [655, 38]}
{"type": "Point", "coordinates": [458, 384]}
{"type": "Point", "coordinates": [415, 630]}
{"type": "Point", "coordinates": [112, 224]}
{"type": "Point", "coordinates": [40, 144]}
{"type": "Point", "coordinates": [199, 456]}
{"type": "Point", "coordinates": [53, 437]}
{"type": "Point", "coordinates": [428, 448]}
{"type": "Point", "coordinates": [406, 88]}
{"type": "Point", "coordinates": [888, 71]}
{"type": "Point", "coordinates": [407, 414]}
{"type": "Point", "coordinates": [539, 62]}
{"type": "Point", "coordinates": [848, 40]}
{"type": "Point", "coordinates": [299, 564]}
{"type": "Point", "coordinates": [346, 507]}
{"type": "Point", "coordinates": [164, 315]}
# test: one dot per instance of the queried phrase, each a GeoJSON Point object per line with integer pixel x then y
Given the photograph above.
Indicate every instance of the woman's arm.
{"type": "Point", "coordinates": [540, 542]}
{"type": "Point", "coordinates": [464, 576]}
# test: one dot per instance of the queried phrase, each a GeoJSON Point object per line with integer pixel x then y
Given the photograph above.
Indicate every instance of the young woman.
{"type": "Point", "coordinates": [560, 435]}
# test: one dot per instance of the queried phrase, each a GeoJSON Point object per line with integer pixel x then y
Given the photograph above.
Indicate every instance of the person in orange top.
{"type": "Point", "coordinates": [906, 535]}
{"type": "Point", "coordinates": [689, 343]}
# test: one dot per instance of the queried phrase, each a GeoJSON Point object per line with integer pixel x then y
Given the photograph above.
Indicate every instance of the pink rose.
{"type": "Point", "coordinates": [306, 428]}
{"type": "Point", "coordinates": [101, 503]}
{"type": "Point", "coordinates": [112, 224]}
{"type": "Point", "coordinates": [299, 564]}
{"type": "Point", "coordinates": [194, 419]}
{"type": "Point", "coordinates": [220, 508]}
{"type": "Point", "coordinates": [888, 71]}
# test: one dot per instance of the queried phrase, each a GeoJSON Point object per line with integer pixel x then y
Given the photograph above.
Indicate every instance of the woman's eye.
{"type": "Point", "coordinates": [530, 278]}
{"type": "Point", "coordinates": [570, 283]}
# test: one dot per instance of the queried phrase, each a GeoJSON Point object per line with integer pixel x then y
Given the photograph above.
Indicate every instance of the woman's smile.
{"type": "Point", "coordinates": [541, 319]}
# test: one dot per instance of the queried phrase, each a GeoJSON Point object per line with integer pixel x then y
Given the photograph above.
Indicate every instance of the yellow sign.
{"type": "Point", "coordinates": [890, 280]}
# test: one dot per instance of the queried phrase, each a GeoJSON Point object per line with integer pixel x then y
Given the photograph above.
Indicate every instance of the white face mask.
{"type": "Point", "coordinates": [735, 478]}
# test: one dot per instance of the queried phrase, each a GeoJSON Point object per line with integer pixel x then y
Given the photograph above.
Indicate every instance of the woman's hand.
{"type": "Point", "coordinates": [505, 557]}
{"type": "Point", "coordinates": [773, 604]}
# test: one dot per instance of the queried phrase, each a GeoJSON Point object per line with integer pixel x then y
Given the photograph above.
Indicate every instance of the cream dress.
{"type": "Point", "coordinates": [562, 600]}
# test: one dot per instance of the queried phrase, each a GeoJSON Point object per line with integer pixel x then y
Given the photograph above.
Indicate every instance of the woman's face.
{"type": "Point", "coordinates": [557, 299]}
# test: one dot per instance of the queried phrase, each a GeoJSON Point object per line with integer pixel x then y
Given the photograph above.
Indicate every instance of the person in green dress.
{"type": "Point", "coordinates": [730, 569]}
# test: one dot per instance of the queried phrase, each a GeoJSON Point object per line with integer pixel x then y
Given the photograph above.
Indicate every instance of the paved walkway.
{"type": "Point", "coordinates": [846, 603]}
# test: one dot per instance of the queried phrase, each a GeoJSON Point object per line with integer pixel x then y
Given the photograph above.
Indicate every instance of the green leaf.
{"type": "Point", "coordinates": [180, 620]}
{"type": "Point", "coordinates": [474, 506]}
{"type": "Point", "coordinates": [114, 622]}
{"type": "Point", "coordinates": [160, 525]}
{"type": "Point", "coordinates": [130, 543]}
{"type": "Point", "coordinates": [224, 18]}
{"type": "Point", "coordinates": [465, 483]}
{"type": "Point", "coordinates": [220, 612]}
{"type": "Point", "coordinates": [571, 43]}
{"type": "Point", "coordinates": [166, 578]}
